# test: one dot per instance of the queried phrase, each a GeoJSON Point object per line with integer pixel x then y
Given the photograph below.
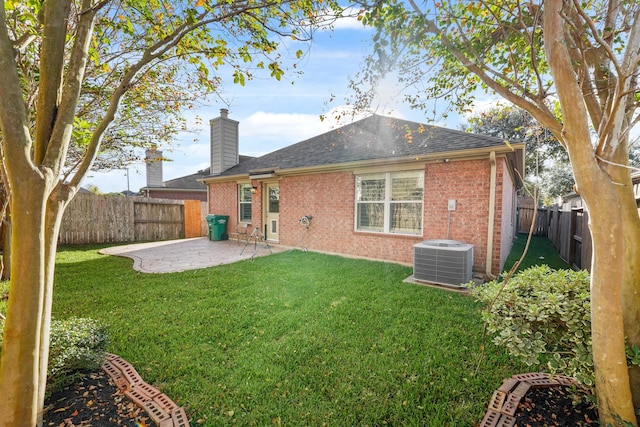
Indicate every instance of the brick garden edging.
{"type": "Point", "coordinates": [162, 410]}
{"type": "Point", "coordinates": [505, 400]}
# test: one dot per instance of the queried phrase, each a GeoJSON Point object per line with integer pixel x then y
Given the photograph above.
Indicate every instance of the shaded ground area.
{"type": "Point", "coordinates": [555, 406]}
{"type": "Point", "coordinates": [540, 252]}
{"type": "Point", "coordinates": [95, 401]}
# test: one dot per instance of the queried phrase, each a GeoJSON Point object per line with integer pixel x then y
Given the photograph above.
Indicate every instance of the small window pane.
{"type": "Point", "coordinates": [274, 199]}
{"type": "Point", "coordinates": [371, 216]}
{"type": "Point", "coordinates": [407, 186]}
{"type": "Point", "coordinates": [371, 188]}
{"type": "Point", "coordinates": [406, 218]}
{"type": "Point", "coordinates": [245, 212]}
{"type": "Point", "coordinates": [245, 193]}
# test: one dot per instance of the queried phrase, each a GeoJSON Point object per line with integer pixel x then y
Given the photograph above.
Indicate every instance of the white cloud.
{"type": "Point", "coordinates": [294, 126]}
{"type": "Point", "coordinates": [348, 20]}
{"type": "Point", "coordinates": [263, 132]}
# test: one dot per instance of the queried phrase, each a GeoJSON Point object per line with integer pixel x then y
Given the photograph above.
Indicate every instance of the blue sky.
{"type": "Point", "coordinates": [274, 114]}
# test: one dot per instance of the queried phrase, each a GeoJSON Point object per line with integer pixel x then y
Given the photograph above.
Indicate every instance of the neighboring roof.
{"type": "Point", "coordinates": [187, 182]}
{"type": "Point", "coordinates": [190, 182]}
{"type": "Point", "coordinates": [372, 138]}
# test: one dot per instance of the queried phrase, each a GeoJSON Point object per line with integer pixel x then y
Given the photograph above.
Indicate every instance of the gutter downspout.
{"type": "Point", "coordinates": [492, 215]}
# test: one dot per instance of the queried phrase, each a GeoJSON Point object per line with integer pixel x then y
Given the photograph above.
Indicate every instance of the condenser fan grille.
{"type": "Point", "coordinates": [447, 262]}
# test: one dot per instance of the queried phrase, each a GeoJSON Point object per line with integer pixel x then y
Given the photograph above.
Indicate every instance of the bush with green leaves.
{"type": "Point", "coordinates": [543, 317]}
{"type": "Point", "coordinates": [77, 345]}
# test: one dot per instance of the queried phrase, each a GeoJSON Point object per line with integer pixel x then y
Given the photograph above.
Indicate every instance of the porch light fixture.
{"type": "Point", "coordinates": [254, 189]}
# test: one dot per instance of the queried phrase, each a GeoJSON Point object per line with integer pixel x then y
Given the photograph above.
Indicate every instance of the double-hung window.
{"type": "Point", "coordinates": [390, 202]}
{"type": "Point", "coordinates": [244, 202]}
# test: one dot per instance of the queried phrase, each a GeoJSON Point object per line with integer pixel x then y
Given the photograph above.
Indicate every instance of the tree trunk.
{"type": "Point", "coordinates": [612, 376]}
{"type": "Point", "coordinates": [631, 272]}
{"type": "Point", "coordinates": [598, 190]}
{"type": "Point", "coordinates": [19, 366]}
{"type": "Point", "coordinates": [6, 248]}
{"type": "Point", "coordinates": [58, 201]}
{"type": "Point", "coordinates": [613, 390]}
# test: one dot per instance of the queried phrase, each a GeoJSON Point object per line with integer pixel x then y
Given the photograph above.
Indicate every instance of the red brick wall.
{"type": "Point", "coordinates": [466, 182]}
{"type": "Point", "coordinates": [330, 199]}
{"type": "Point", "coordinates": [223, 200]}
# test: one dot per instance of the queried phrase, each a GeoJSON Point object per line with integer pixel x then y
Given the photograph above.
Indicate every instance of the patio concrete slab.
{"type": "Point", "coordinates": [173, 256]}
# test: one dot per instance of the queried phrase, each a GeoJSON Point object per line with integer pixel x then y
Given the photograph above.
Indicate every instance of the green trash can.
{"type": "Point", "coordinates": [217, 227]}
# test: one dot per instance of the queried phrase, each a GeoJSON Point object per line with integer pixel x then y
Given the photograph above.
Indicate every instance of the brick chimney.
{"type": "Point", "coordinates": [224, 143]}
{"type": "Point", "coordinates": [154, 168]}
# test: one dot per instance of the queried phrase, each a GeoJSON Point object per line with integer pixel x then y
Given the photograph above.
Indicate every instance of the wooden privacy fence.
{"type": "Point", "coordinates": [91, 218]}
{"type": "Point", "coordinates": [566, 227]}
{"type": "Point", "coordinates": [525, 218]}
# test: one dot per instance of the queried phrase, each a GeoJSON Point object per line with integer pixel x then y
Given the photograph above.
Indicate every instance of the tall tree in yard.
{"type": "Point", "coordinates": [547, 163]}
{"type": "Point", "coordinates": [574, 66]}
{"type": "Point", "coordinates": [45, 51]}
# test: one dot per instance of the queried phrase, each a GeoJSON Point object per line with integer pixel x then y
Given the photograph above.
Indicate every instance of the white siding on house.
{"type": "Point", "coordinates": [508, 215]}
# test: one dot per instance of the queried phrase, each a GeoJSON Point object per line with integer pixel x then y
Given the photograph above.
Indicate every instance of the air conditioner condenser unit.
{"type": "Point", "coordinates": [444, 262]}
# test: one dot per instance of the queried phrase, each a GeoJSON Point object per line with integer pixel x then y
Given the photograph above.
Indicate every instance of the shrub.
{"type": "Point", "coordinates": [76, 345]}
{"type": "Point", "coordinates": [543, 317]}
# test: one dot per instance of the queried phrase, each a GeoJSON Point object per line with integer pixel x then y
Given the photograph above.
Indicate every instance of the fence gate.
{"type": "Point", "coordinates": [158, 221]}
{"type": "Point", "coordinates": [525, 218]}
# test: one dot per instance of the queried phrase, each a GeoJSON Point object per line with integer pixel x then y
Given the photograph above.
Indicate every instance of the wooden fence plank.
{"type": "Point", "coordinates": [193, 218]}
{"type": "Point", "coordinates": [567, 229]}
{"type": "Point", "coordinates": [92, 218]}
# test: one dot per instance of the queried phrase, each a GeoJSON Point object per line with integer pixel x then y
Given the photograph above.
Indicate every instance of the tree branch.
{"type": "Point", "coordinates": [13, 115]}
{"type": "Point", "coordinates": [56, 14]}
{"type": "Point", "coordinates": [538, 110]}
{"type": "Point", "coordinates": [55, 155]}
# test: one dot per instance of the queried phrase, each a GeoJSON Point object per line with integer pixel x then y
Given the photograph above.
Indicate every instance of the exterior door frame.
{"type": "Point", "coordinates": [271, 218]}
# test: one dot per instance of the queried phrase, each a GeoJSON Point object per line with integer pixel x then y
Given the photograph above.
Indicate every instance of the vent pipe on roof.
{"type": "Point", "coordinates": [153, 160]}
{"type": "Point", "coordinates": [224, 143]}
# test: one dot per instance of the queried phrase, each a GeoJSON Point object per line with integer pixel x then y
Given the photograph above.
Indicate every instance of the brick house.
{"type": "Point", "coordinates": [374, 188]}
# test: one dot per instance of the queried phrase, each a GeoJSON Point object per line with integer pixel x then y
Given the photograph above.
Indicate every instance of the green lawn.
{"type": "Point", "coordinates": [540, 252]}
{"type": "Point", "coordinates": [297, 338]}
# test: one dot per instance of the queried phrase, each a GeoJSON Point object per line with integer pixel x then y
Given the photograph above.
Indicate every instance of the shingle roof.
{"type": "Point", "coordinates": [372, 138]}
{"type": "Point", "coordinates": [191, 182]}
{"type": "Point", "coordinates": [187, 182]}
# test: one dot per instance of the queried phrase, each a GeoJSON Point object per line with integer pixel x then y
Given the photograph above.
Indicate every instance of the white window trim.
{"type": "Point", "coordinates": [240, 203]}
{"type": "Point", "coordinates": [387, 204]}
